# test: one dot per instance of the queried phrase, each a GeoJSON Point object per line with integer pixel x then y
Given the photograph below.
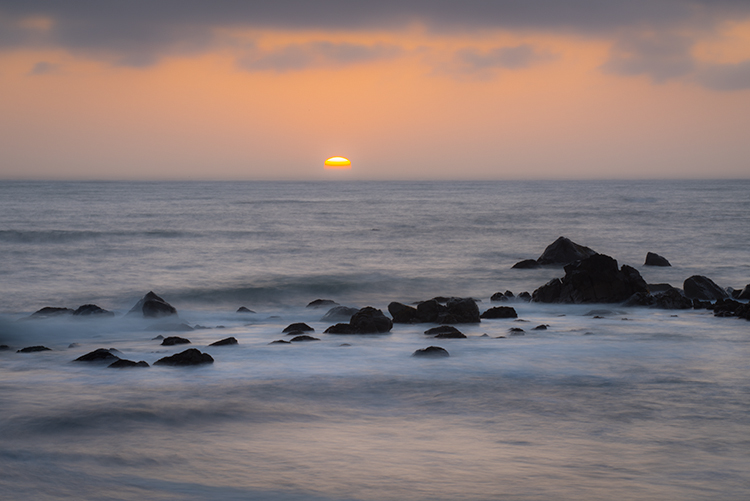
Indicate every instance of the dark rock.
{"type": "Point", "coordinates": [451, 335]}
{"type": "Point", "coordinates": [655, 288]}
{"type": "Point", "coordinates": [225, 342]}
{"type": "Point", "coordinates": [703, 288]}
{"type": "Point", "coordinates": [98, 355]}
{"type": "Point", "coordinates": [701, 305]}
{"type": "Point", "coordinates": [460, 311]}
{"type": "Point", "coordinates": [173, 340]}
{"type": "Point", "coordinates": [33, 349]}
{"type": "Point", "coordinates": [541, 327]}
{"type": "Point", "coordinates": [498, 297]}
{"type": "Point", "coordinates": [403, 314]}
{"type": "Point", "coordinates": [725, 306]}
{"type": "Point", "coordinates": [640, 299]}
{"type": "Point", "coordinates": [339, 313]}
{"type": "Point", "coordinates": [431, 352]}
{"type": "Point", "coordinates": [526, 264]}
{"type": "Point", "coordinates": [294, 333]}
{"type": "Point", "coordinates": [243, 309]}
{"type": "Point", "coordinates": [340, 329]}
{"type": "Point", "coordinates": [428, 311]}
{"type": "Point", "coordinates": [524, 296]}
{"type": "Point", "coordinates": [369, 320]}
{"type": "Point", "coordinates": [126, 364]}
{"type": "Point", "coordinates": [188, 357]}
{"type": "Point", "coordinates": [303, 338]}
{"type": "Point", "coordinates": [655, 260]}
{"type": "Point", "coordinates": [157, 338]}
{"type": "Point", "coordinates": [564, 251]}
{"type": "Point", "coordinates": [4, 347]}
{"type": "Point", "coordinates": [672, 299]}
{"type": "Point", "coordinates": [443, 329]}
{"type": "Point", "coordinates": [344, 345]}
{"type": "Point", "coordinates": [152, 306]}
{"type": "Point", "coordinates": [745, 293]}
{"type": "Point", "coordinates": [595, 279]}
{"type": "Point", "coordinates": [92, 309]}
{"type": "Point", "coordinates": [500, 312]}
{"type": "Point", "coordinates": [280, 341]}
{"type": "Point", "coordinates": [73, 345]}
{"type": "Point", "coordinates": [516, 331]}
{"type": "Point", "coordinates": [50, 311]}
{"type": "Point", "coordinates": [322, 303]}
{"type": "Point", "coordinates": [171, 327]}
{"type": "Point", "coordinates": [299, 326]}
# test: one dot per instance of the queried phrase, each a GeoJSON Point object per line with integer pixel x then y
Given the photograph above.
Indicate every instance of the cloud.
{"type": "Point", "coordinates": [725, 77]}
{"type": "Point", "coordinates": [521, 56]}
{"type": "Point", "coordinates": [661, 56]}
{"type": "Point", "coordinates": [296, 57]}
{"type": "Point", "coordinates": [44, 68]}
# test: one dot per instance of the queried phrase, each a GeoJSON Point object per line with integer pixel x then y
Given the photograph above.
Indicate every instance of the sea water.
{"type": "Point", "coordinates": [638, 404]}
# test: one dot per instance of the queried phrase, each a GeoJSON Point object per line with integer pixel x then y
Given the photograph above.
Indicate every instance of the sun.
{"type": "Point", "coordinates": [338, 163]}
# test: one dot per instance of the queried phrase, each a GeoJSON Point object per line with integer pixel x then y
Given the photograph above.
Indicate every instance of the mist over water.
{"type": "Point", "coordinates": [639, 404]}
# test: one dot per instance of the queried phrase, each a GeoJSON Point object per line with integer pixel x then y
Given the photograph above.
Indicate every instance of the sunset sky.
{"type": "Point", "coordinates": [409, 89]}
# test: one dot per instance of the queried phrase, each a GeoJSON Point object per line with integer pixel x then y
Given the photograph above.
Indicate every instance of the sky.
{"type": "Point", "coordinates": [408, 89]}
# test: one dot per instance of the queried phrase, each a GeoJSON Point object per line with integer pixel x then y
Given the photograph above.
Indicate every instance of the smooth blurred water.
{"type": "Point", "coordinates": [640, 404]}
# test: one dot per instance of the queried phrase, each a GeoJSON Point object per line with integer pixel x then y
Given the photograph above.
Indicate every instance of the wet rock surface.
{"type": "Point", "coordinates": [703, 288]}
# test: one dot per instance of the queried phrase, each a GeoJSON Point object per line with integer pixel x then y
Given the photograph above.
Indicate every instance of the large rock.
{"type": "Point", "coordinates": [500, 312]}
{"type": "Point", "coordinates": [703, 288]}
{"type": "Point", "coordinates": [672, 299]}
{"type": "Point", "coordinates": [564, 251]}
{"type": "Point", "coordinates": [152, 306]}
{"type": "Point", "coordinates": [595, 279]}
{"type": "Point", "coordinates": [655, 260]}
{"type": "Point", "coordinates": [745, 294]}
{"type": "Point", "coordinates": [403, 314]}
{"type": "Point", "coordinates": [370, 320]}
{"type": "Point", "coordinates": [187, 357]}
{"type": "Point", "coordinates": [98, 355]}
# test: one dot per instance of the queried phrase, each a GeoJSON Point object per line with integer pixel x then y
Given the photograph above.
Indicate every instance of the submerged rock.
{"type": "Point", "coordinates": [431, 352]}
{"type": "Point", "coordinates": [280, 341]}
{"type": "Point", "coordinates": [456, 310]}
{"type": "Point", "coordinates": [173, 340]}
{"type": "Point", "coordinates": [98, 355]}
{"type": "Point", "coordinates": [500, 312]}
{"type": "Point", "coordinates": [243, 309]}
{"type": "Point", "coordinates": [49, 312]}
{"type": "Point", "coordinates": [443, 329]}
{"type": "Point", "coordinates": [526, 264]}
{"type": "Point", "coordinates": [655, 260]}
{"type": "Point", "coordinates": [126, 364]}
{"type": "Point", "coordinates": [225, 342]}
{"type": "Point", "coordinates": [703, 288]}
{"type": "Point", "coordinates": [322, 303]}
{"type": "Point", "coordinates": [595, 279]}
{"type": "Point", "coordinates": [339, 313]}
{"type": "Point", "coordinates": [298, 327]}
{"type": "Point", "coordinates": [524, 296]}
{"type": "Point", "coordinates": [152, 306]}
{"type": "Point", "coordinates": [4, 347]}
{"type": "Point", "coordinates": [540, 327]}
{"type": "Point", "coordinates": [92, 309]}
{"type": "Point", "coordinates": [303, 337]}
{"type": "Point", "coordinates": [188, 357]}
{"type": "Point", "coordinates": [340, 329]}
{"type": "Point", "coordinates": [33, 349]}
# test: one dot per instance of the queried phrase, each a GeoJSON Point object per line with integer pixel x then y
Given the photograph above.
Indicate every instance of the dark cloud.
{"type": "Point", "coordinates": [725, 77]}
{"type": "Point", "coordinates": [316, 54]}
{"type": "Point", "coordinates": [660, 55]}
{"type": "Point", "coordinates": [521, 56]}
{"type": "Point", "coordinates": [44, 68]}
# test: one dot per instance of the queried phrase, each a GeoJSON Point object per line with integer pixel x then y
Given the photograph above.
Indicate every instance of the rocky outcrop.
{"type": "Point", "coordinates": [367, 320]}
{"type": "Point", "coordinates": [152, 306]}
{"type": "Point", "coordinates": [339, 313]}
{"type": "Point", "coordinates": [500, 312]}
{"type": "Point", "coordinates": [655, 260]}
{"type": "Point", "coordinates": [703, 288]}
{"type": "Point", "coordinates": [126, 364]}
{"type": "Point", "coordinates": [174, 340]}
{"type": "Point", "coordinates": [669, 299]}
{"type": "Point", "coordinates": [98, 355]}
{"type": "Point", "coordinates": [185, 358]}
{"type": "Point", "coordinates": [595, 279]}
{"type": "Point", "coordinates": [225, 342]}
{"type": "Point", "coordinates": [502, 296]}
{"type": "Point", "coordinates": [731, 308]}
{"type": "Point", "coordinates": [560, 252]}
{"type": "Point", "coordinates": [431, 352]}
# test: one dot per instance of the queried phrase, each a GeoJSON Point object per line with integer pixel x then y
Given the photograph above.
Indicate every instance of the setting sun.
{"type": "Point", "coordinates": [338, 163]}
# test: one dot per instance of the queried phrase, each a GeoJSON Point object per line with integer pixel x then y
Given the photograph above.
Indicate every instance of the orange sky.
{"type": "Point", "coordinates": [406, 103]}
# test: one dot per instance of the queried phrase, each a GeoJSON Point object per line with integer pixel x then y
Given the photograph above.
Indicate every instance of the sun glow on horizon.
{"type": "Point", "coordinates": [338, 163]}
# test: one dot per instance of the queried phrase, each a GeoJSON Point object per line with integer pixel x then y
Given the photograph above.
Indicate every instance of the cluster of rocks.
{"type": "Point", "coordinates": [438, 310]}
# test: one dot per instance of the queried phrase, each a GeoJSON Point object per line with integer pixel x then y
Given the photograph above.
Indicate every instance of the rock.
{"type": "Point", "coordinates": [701, 305]}
{"type": "Point", "coordinates": [564, 251]}
{"type": "Point", "coordinates": [516, 331]}
{"type": "Point", "coordinates": [49, 312]}
{"type": "Point", "coordinates": [280, 341]}
{"type": "Point", "coordinates": [369, 320]}
{"type": "Point", "coordinates": [322, 303]}
{"type": "Point", "coordinates": [451, 335]}
{"type": "Point", "coordinates": [188, 357]}
{"type": "Point", "coordinates": [460, 311]}
{"type": "Point", "coordinates": [500, 312]}
{"type": "Point", "coordinates": [524, 296]}
{"type": "Point", "coordinates": [541, 327]}
{"type": "Point", "coordinates": [33, 349]}
{"type": "Point", "coordinates": [299, 326]}
{"type": "Point", "coordinates": [303, 338]}
{"type": "Point", "coordinates": [92, 309]}
{"type": "Point", "coordinates": [173, 340]}
{"type": "Point", "coordinates": [340, 329]}
{"type": "Point", "coordinates": [242, 309]}
{"type": "Point", "coordinates": [655, 288]}
{"type": "Point", "coordinates": [431, 352]}
{"type": "Point", "coordinates": [428, 311]}
{"type": "Point", "coordinates": [443, 329]}
{"type": "Point", "coordinates": [655, 260]}
{"type": "Point", "coordinates": [126, 364]}
{"type": "Point", "coordinates": [595, 279]}
{"type": "Point", "coordinates": [171, 327]}
{"type": "Point", "coordinates": [703, 288]}
{"type": "Point", "coordinates": [526, 264]}
{"type": "Point", "coordinates": [152, 306]}
{"type": "Point", "coordinates": [639, 299]}
{"type": "Point", "coordinates": [4, 347]}
{"type": "Point", "coordinates": [498, 297]}
{"type": "Point", "coordinates": [672, 299]}
{"type": "Point", "coordinates": [225, 342]}
{"type": "Point", "coordinates": [745, 293]}
{"type": "Point", "coordinates": [339, 313]}
{"type": "Point", "coordinates": [157, 338]}
{"type": "Point", "coordinates": [403, 314]}
{"type": "Point", "coordinates": [98, 355]}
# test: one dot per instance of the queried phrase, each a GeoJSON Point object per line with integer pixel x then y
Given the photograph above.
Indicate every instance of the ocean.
{"type": "Point", "coordinates": [610, 402]}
